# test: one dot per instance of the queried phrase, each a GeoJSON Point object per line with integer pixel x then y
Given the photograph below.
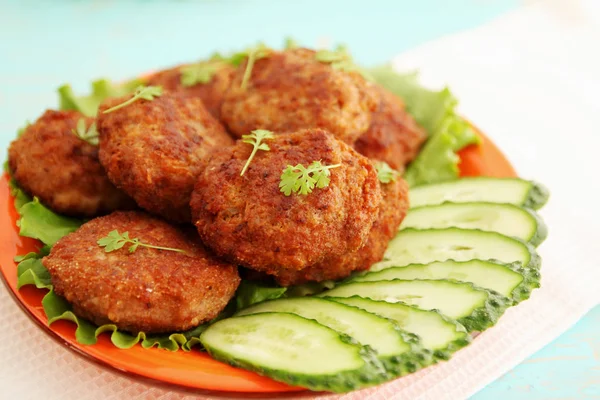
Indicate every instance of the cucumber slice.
{"type": "Point", "coordinates": [475, 308]}
{"type": "Point", "coordinates": [294, 350]}
{"type": "Point", "coordinates": [413, 246]}
{"type": "Point", "coordinates": [506, 219]}
{"type": "Point", "coordinates": [510, 280]}
{"type": "Point", "coordinates": [399, 351]}
{"type": "Point", "coordinates": [438, 333]}
{"type": "Point", "coordinates": [496, 190]}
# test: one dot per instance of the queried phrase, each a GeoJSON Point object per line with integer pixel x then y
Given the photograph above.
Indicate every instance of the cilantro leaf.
{"type": "Point", "coordinates": [385, 173]}
{"type": "Point", "coordinates": [142, 92]}
{"type": "Point", "coordinates": [254, 54]}
{"type": "Point", "coordinates": [101, 90]}
{"type": "Point", "coordinates": [256, 139]}
{"type": "Point", "coordinates": [115, 241]}
{"type": "Point", "coordinates": [290, 44]}
{"type": "Point", "coordinates": [89, 135]}
{"type": "Point", "coordinates": [302, 180]}
{"type": "Point", "coordinates": [341, 60]}
{"type": "Point", "coordinates": [202, 72]}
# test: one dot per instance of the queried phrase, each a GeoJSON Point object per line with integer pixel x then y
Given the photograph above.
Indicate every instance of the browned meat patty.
{"type": "Point", "coordinates": [394, 136]}
{"type": "Point", "coordinates": [291, 90]}
{"type": "Point", "coordinates": [152, 150]}
{"type": "Point", "coordinates": [49, 161]}
{"type": "Point", "coordinates": [148, 290]}
{"type": "Point", "coordinates": [248, 220]}
{"type": "Point", "coordinates": [210, 93]}
{"type": "Point", "coordinates": [392, 211]}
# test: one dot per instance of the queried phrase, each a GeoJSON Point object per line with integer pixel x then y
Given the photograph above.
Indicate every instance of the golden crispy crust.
{"type": "Point", "coordinates": [50, 162]}
{"type": "Point", "coordinates": [210, 93]}
{"type": "Point", "coordinates": [291, 90]}
{"type": "Point", "coordinates": [149, 290]}
{"type": "Point", "coordinates": [152, 149]}
{"type": "Point", "coordinates": [394, 136]}
{"type": "Point", "coordinates": [250, 222]}
{"type": "Point", "coordinates": [392, 211]}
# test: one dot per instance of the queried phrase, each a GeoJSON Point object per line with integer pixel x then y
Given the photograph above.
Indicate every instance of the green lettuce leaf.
{"type": "Point", "coordinates": [249, 293]}
{"type": "Point", "coordinates": [435, 111]}
{"type": "Point", "coordinates": [39, 222]}
{"type": "Point", "coordinates": [31, 271]}
{"type": "Point", "coordinates": [309, 289]}
{"type": "Point", "coordinates": [101, 90]}
{"type": "Point", "coordinates": [21, 198]}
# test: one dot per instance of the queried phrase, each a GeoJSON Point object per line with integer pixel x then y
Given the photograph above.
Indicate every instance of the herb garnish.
{"type": "Point", "coordinates": [142, 92]}
{"type": "Point", "coordinates": [115, 240]}
{"type": "Point", "coordinates": [89, 135]}
{"type": "Point", "coordinates": [302, 180]}
{"type": "Point", "coordinates": [254, 54]}
{"type": "Point", "coordinates": [385, 173]}
{"type": "Point", "coordinates": [255, 139]}
{"type": "Point", "coordinates": [22, 129]}
{"type": "Point", "coordinates": [201, 72]}
{"type": "Point", "coordinates": [290, 44]}
{"type": "Point", "coordinates": [341, 60]}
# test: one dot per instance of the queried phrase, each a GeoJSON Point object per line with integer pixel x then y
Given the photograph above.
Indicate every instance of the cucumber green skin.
{"type": "Point", "coordinates": [397, 365]}
{"type": "Point", "coordinates": [438, 354]}
{"type": "Point", "coordinates": [372, 373]}
{"type": "Point", "coordinates": [540, 234]}
{"type": "Point", "coordinates": [537, 197]}
{"type": "Point", "coordinates": [531, 278]}
{"type": "Point", "coordinates": [480, 318]}
{"type": "Point", "coordinates": [535, 261]}
{"type": "Point", "coordinates": [411, 361]}
{"type": "Point", "coordinates": [485, 317]}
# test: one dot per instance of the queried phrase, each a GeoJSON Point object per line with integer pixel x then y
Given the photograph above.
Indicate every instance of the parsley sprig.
{"type": "Point", "coordinates": [341, 59]}
{"type": "Point", "coordinates": [302, 180]}
{"type": "Point", "coordinates": [115, 240]}
{"type": "Point", "coordinates": [142, 92]}
{"type": "Point", "coordinates": [256, 139]}
{"type": "Point", "coordinates": [202, 72]}
{"type": "Point", "coordinates": [89, 135]}
{"type": "Point", "coordinates": [385, 173]}
{"type": "Point", "coordinates": [254, 54]}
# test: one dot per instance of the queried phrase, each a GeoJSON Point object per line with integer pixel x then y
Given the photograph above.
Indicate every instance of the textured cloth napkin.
{"type": "Point", "coordinates": [530, 81]}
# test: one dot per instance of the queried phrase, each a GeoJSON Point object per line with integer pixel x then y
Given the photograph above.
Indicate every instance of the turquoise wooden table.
{"type": "Point", "coordinates": [44, 44]}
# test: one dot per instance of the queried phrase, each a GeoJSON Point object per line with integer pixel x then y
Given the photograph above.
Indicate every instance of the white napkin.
{"type": "Point", "coordinates": [530, 81]}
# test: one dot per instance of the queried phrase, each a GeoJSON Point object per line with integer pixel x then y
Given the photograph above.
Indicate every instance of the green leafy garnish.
{"type": "Point", "coordinates": [202, 72]}
{"type": "Point", "coordinates": [22, 129]}
{"type": "Point", "coordinates": [255, 139]}
{"type": "Point", "coordinates": [115, 240]}
{"type": "Point", "coordinates": [254, 54]}
{"type": "Point", "coordinates": [302, 180]}
{"type": "Point", "coordinates": [142, 92]}
{"type": "Point", "coordinates": [101, 90]}
{"type": "Point", "coordinates": [250, 293]}
{"type": "Point", "coordinates": [436, 112]}
{"type": "Point", "coordinates": [89, 135]}
{"type": "Point", "coordinates": [290, 44]}
{"type": "Point", "coordinates": [385, 173]}
{"type": "Point", "coordinates": [341, 59]}
{"type": "Point", "coordinates": [39, 222]}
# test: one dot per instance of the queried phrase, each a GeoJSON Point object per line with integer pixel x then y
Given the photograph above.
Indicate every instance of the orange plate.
{"type": "Point", "coordinates": [192, 369]}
